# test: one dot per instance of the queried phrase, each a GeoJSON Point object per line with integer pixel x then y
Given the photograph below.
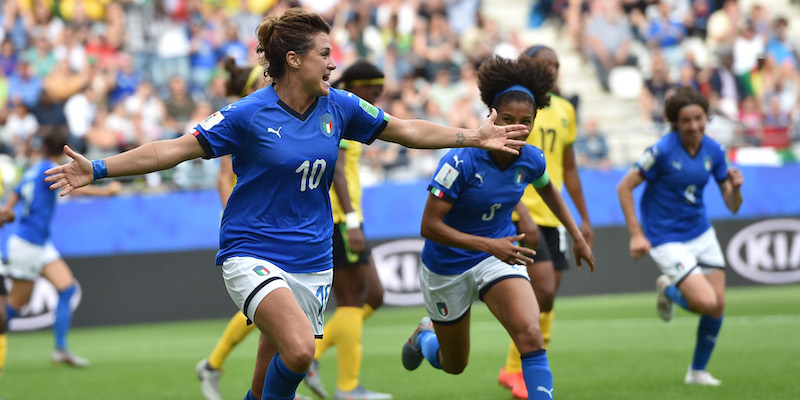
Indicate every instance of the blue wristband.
{"type": "Point", "coordinates": [99, 169]}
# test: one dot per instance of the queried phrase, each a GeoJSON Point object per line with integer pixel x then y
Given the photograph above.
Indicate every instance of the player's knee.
{"type": "Point", "coordinates": [298, 358]}
{"type": "Point", "coordinates": [375, 299]}
{"type": "Point", "coordinates": [705, 305]}
{"type": "Point", "coordinates": [529, 339]}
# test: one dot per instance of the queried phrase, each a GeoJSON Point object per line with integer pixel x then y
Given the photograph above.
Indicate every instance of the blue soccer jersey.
{"type": "Point", "coordinates": [279, 209]}
{"type": "Point", "coordinates": [36, 204]}
{"type": "Point", "coordinates": [483, 197]}
{"type": "Point", "coordinates": [672, 204]}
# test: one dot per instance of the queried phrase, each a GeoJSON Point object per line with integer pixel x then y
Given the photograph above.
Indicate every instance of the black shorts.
{"type": "Point", "coordinates": [550, 248]}
{"type": "Point", "coordinates": [342, 256]}
{"type": "Point", "coordinates": [3, 291]}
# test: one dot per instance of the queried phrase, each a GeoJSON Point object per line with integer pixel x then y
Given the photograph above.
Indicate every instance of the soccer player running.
{"type": "Point", "coordinates": [275, 237]}
{"type": "Point", "coordinates": [358, 289]}
{"type": "Point", "coordinates": [241, 82]}
{"type": "Point", "coordinates": [470, 251]}
{"type": "Point", "coordinates": [677, 233]}
{"type": "Point", "coordinates": [31, 253]}
{"type": "Point", "coordinates": [554, 133]}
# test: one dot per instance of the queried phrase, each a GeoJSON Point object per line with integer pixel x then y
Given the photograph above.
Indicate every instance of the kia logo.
{"type": "Point", "coordinates": [767, 251]}
{"type": "Point", "coordinates": [40, 312]}
{"type": "Point", "coordinates": [398, 264]}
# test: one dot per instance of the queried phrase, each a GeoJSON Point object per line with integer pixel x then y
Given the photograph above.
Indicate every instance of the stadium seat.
{"type": "Point", "coordinates": [625, 82]}
{"type": "Point", "coordinates": [776, 136]}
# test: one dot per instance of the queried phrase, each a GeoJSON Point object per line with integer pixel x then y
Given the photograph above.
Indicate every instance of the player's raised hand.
{"type": "Point", "coordinates": [509, 138]}
{"type": "Point", "coordinates": [77, 173]}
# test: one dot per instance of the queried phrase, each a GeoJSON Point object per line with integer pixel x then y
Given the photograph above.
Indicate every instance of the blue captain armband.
{"type": "Point", "coordinates": [99, 169]}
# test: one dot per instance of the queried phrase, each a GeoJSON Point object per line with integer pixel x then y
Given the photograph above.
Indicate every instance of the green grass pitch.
{"type": "Point", "coordinates": [604, 347]}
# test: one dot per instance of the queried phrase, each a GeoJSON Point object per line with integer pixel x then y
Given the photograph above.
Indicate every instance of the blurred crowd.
{"type": "Point", "coordinates": [123, 73]}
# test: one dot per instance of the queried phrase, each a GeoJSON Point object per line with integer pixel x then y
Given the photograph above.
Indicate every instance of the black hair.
{"type": "Point", "coordinates": [53, 139]}
{"type": "Point", "coordinates": [683, 96]}
{"type": "Point", "coordinates": [237, 77]}
{"type": "Point", "coordinates": [361, 70]}
{"type": "Point", "coordinates": [530, 52]}
{"type": "Point", "coordinates": [498, 74]}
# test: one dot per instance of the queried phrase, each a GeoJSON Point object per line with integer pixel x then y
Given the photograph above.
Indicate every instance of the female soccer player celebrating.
{"type": "Point", "coordinates": [470, 249]}
{"type": "Point", "coordinates": [275, 237]}
{"type": "Point", "coordinates": [677, 233]}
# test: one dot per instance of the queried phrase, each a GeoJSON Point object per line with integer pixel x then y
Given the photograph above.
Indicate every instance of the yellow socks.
{"type": "Point", "coordinates": [3, 349]}
{"type": "Point", "coordinates": [344, 330]}
{"type": "Point", "coordinates": [546, 323]}
{"type": "Point", "coordinates": [513, 361]}
{"type": "Point", "coordinates": [368, 311]}
{"type": "Point", "coordinates": [235, 332]}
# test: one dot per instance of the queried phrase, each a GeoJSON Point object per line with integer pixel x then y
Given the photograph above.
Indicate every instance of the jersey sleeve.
{"type": "Point", "coordinates": [720, 164]}
{"type": "Point", "coordinates": [363, 121]}
{"type": "Point", "coordinates": [449, 180]}
{"type": "Point", "coordinates": [539, 169]}
{"type": "Point", "coordinates": [647, 164]}
{"type": "Point", "coordinates": [225, 131]}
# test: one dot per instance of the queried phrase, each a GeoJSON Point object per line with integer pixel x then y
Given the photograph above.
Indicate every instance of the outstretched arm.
{"type": "Point", "coordinates": [573, 183]}
{"type": "Point", "coordinates": [422, 134]}
{"type": "Point", "coordinates": [639, 245]}
{"type": "Point", "coordinates": [557, 205]}
{"type": "Point", "coordinates": [434, 228]}
{"type": "Point", "coordinates": [150, 157]}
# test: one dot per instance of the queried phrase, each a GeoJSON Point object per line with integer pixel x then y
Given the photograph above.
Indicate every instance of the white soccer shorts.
{"type": "Point", "coordinates": [26, 260]}
{"type": "Point", "coordinates": [677, 260]}
{"type": "Point", "coordinates": [449, 297]}
{"type": "Point", "coordinates": [250, 279]}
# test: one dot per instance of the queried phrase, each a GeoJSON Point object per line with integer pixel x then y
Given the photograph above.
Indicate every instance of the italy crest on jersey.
{"type": "Point", "coordinates": [326, 124]}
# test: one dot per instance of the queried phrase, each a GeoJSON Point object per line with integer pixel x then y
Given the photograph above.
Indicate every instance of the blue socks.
{"type": "Point", "coordinates": [280, 382]}
{"type": "Point", "coordinates": [707, 332]}
{"type": "Point", "coordinates": [429, 344]}
{"type": "Point", "coordinates": [249, 395]}
{"type": "Point", "coordinates": [538, 378]}
{"type": "Point", "coordinates": [11, 313]}
{"type": "Point", "coordinates": [63, 317]}
{"type": "Point", "coordinates": [676, 296]}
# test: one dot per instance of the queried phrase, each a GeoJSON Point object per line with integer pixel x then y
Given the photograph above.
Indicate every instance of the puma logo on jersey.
{"type": "Point", "coordinates": [455, 157]}
{"type": "Point", "coordinates": [479, 176]}
{"type": "Point", "coordinates": [543, 389]}
{"type": "Point", "coordinates": [229, 107]}
{"type": "Point", "coordinates": [278, 132]}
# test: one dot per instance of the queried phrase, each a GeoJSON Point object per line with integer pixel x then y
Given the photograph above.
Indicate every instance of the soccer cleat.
{"type": "Point", "coordinates": [663, 303]}
{"type": "Point", "coordinates": [313, 381]}
{"type": "Point", "coordinates": [65, 357]}
{"type": "Point", "coordinates": [412, 353]}
{"type": "Point", "coordinates": [701, 378]}
{"type": "Point", "coordinates": [209, 380]}
{"type": "Point", "coordinates": [513, 381]}
{"type": "Point", "coordinates": [362, 393]}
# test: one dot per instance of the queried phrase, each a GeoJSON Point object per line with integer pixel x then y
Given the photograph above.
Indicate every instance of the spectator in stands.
{"type": "Point", "coordinates": [591, 148]}
{"type": "Point", "coordinates": [747, 48]}
{"type": "Point", "coordinates": [750, 116]}
{"type": "Point", "coordinates": [655, 90]}
{"type": "Point", "coordinates": [71, 50]}
{"type": "Point", "coordinates": [722, 25]}
{"type": "Point", "coordinates": [18, 131]}
{"type": "Point", "coordinates": [80, 111]}
{"type": "Point", "coordinates": [8, 57]}
{"type": "Point", "coordinates": [774, 116]}
{"type": "Point", "coordinates": [179, 107]}
{"type": "Point", "coordinates": [25, 84]}
{"type": "Point", "coordinates": [727, 88]}
{"type": "Point", "coordinates": [126, 80]}
{"type": "Point", "coordinates": [665, 32]}
{"type": "Point", "coordinates": [148, 110]}
{"type": "Point", "coordinates": [608, 38]}
{"type": "Point", "coordinates": [782, 48]}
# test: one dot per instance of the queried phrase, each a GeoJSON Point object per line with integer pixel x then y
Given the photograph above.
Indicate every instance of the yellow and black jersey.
{"type": "Point", "coordinates": [554, 129]}
{"type": "Point", "coordinates": [352, 157]}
